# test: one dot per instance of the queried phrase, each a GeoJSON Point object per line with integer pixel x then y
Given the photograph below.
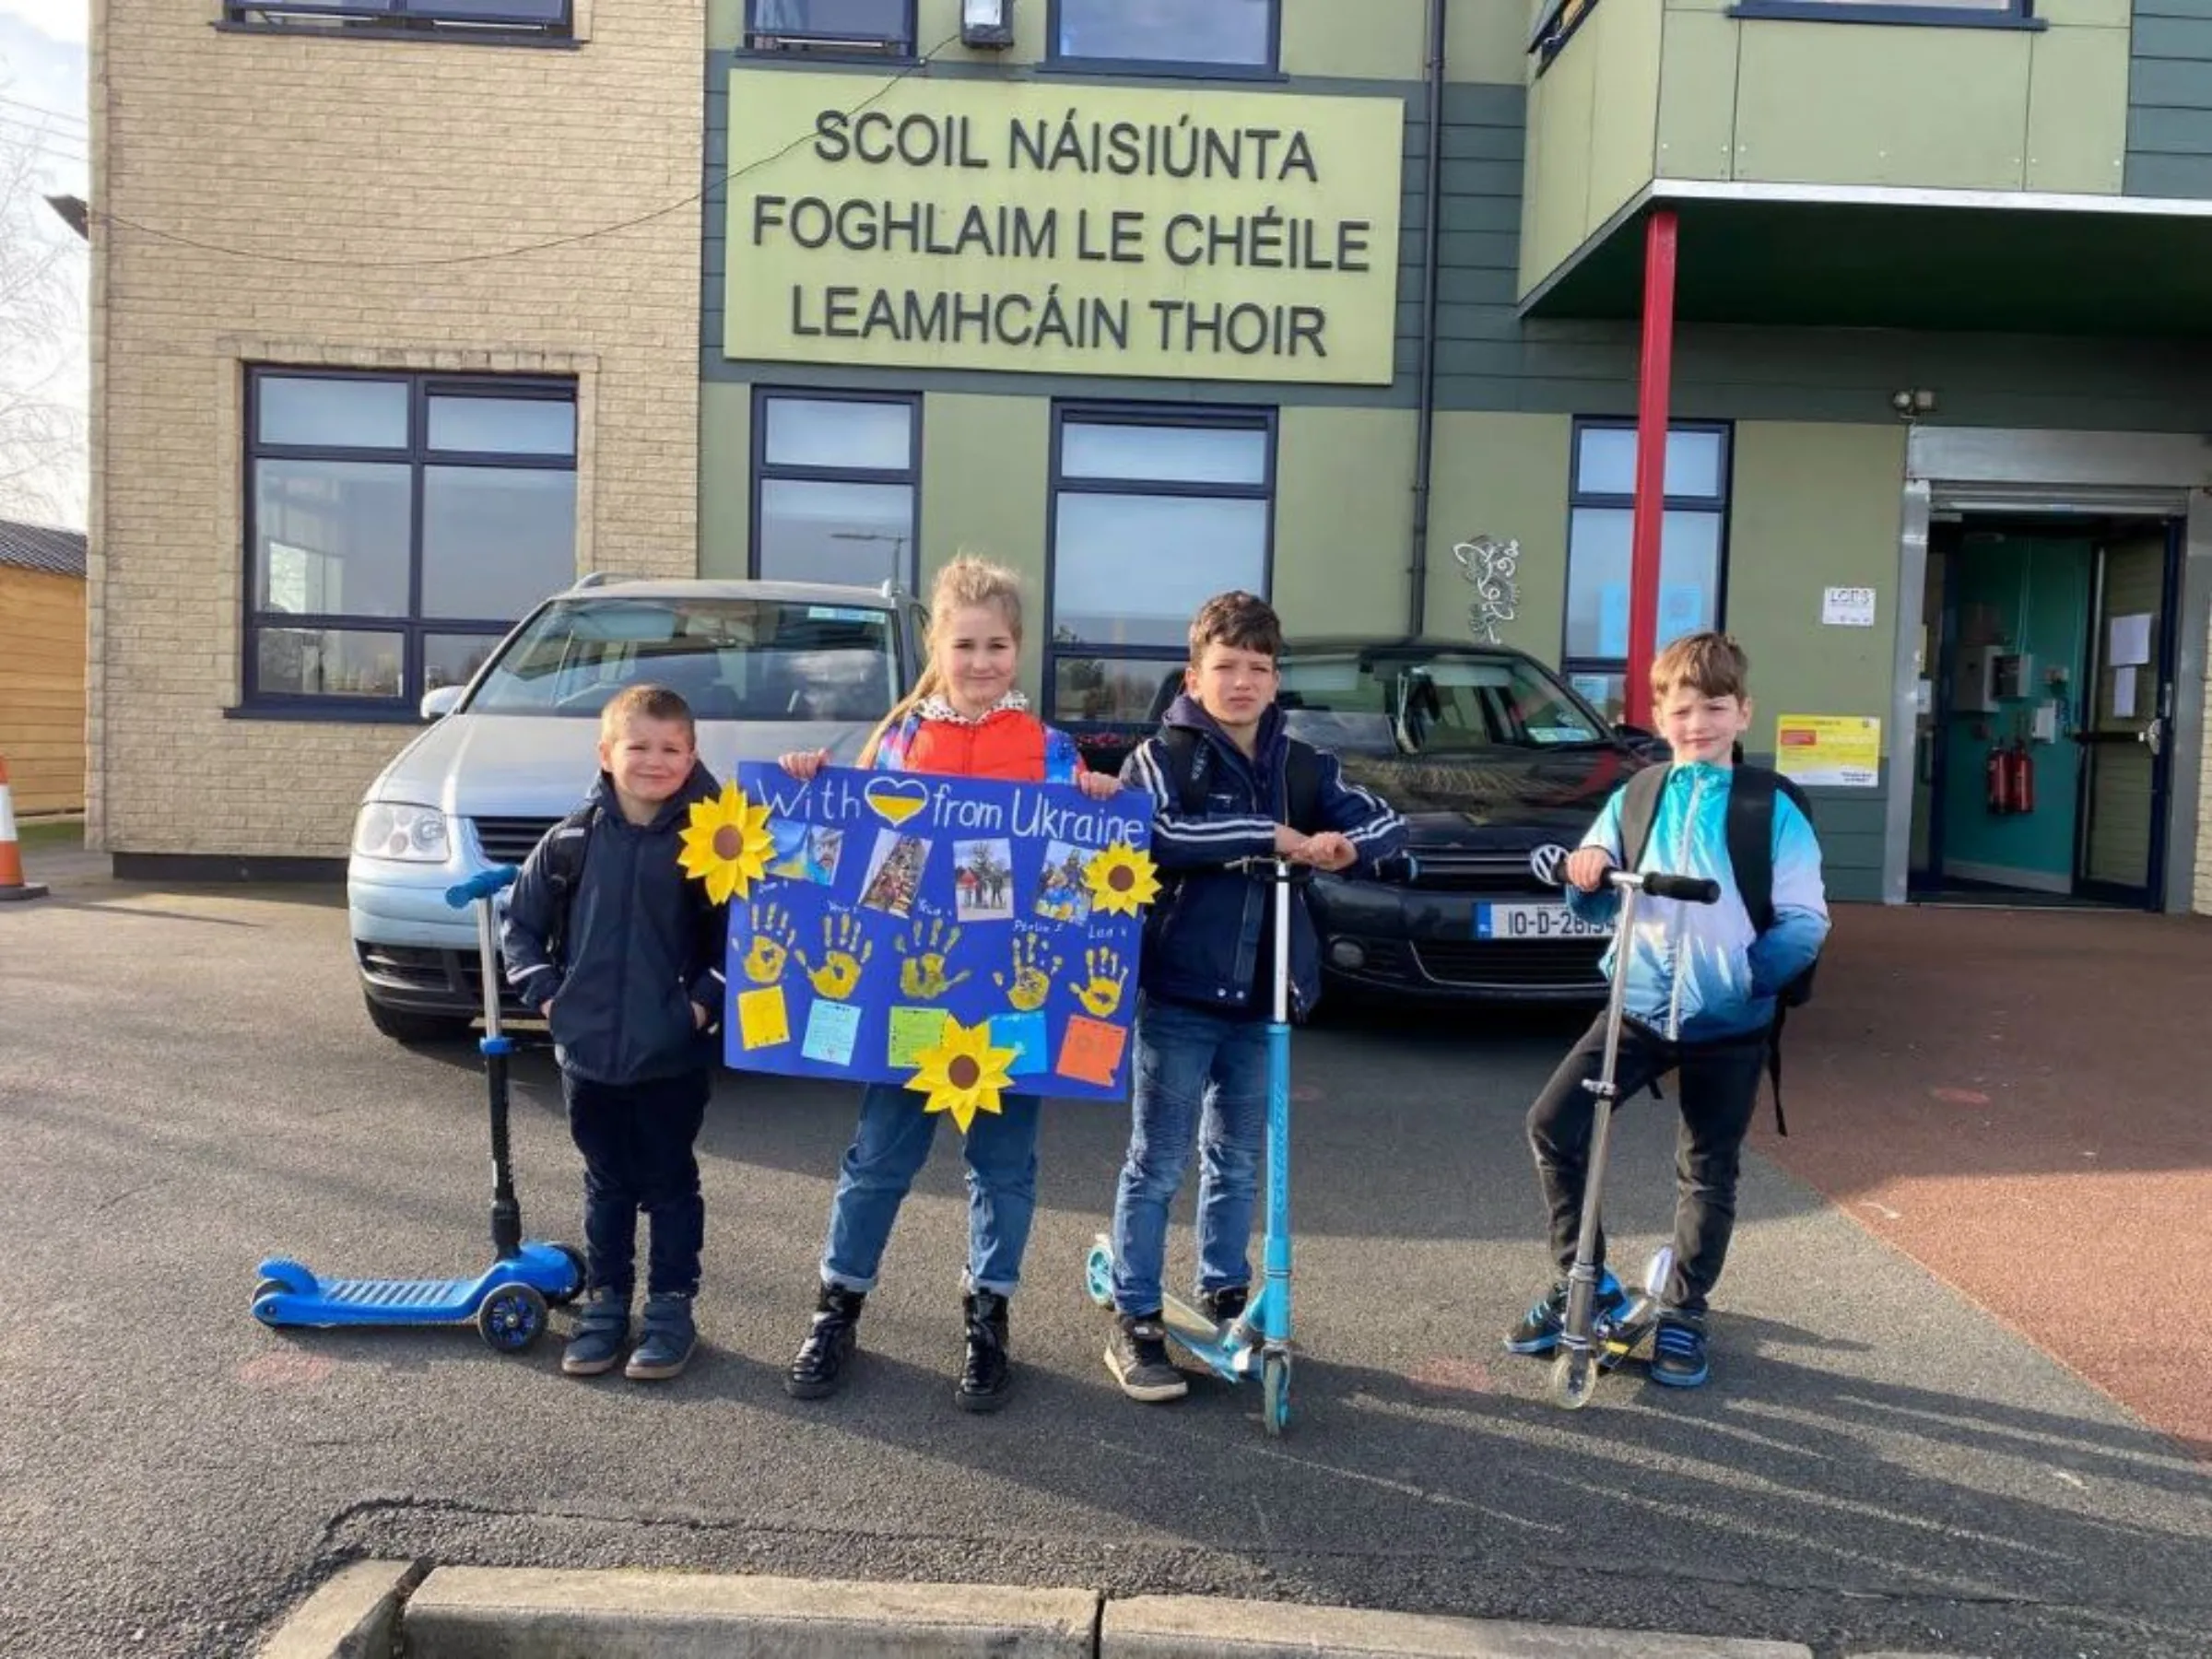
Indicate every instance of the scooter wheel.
{"type": "Point", "coordinates": [1574, 1378]}
{"type": "Point", "coordinates": [1274, 1393]}
{"type": "Point", "coordinates": [512, 1317]}
{"type": "Point", "coordinates": [268, 1286]}
{"type": "Point", "coordinates": [575, 1257]}
{"type": "Point", "coordinates": [1098, 1275]}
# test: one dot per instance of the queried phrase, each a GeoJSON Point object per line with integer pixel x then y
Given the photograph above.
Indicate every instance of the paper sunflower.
{"type": "Point", "coordinates": [1121, 878]}
{"type": "Point", "coordinates": [962, 1074]}
{"type": "Point", "coordinates": [726, 845]}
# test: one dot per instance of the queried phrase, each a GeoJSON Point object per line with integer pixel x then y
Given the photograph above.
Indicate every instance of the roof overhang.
{"type": "Point", "coordinates": [1851, 257]}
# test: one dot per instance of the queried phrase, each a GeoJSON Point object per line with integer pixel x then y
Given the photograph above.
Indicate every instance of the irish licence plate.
{"type": "Point", "coordinates": [1533, 922]}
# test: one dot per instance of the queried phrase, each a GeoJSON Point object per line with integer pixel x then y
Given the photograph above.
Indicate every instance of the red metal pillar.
{"type": "Point", "coordinates": [1652, 400]}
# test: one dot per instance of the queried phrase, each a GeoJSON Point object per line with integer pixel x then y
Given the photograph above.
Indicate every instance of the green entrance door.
{"type": "Point", "coordinates": [2126, 732]}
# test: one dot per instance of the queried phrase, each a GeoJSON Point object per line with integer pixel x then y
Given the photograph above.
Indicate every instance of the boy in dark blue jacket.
{"type": "Point", "coordinates": [622, 955]}
{"type": "Point", "coordinates": [1227, 782]}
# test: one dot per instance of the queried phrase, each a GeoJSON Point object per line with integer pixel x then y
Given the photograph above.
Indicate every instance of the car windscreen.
{"type": "Point", "coordinates": [730, 659]}
{"type": "Point", "coordinates": [1430, 704]}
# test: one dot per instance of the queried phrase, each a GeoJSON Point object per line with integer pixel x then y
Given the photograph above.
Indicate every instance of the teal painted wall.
{"type": "Point", "coordinates": [2036, 594]}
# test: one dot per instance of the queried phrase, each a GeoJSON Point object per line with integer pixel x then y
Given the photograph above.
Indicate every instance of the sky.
{"type": "Point", "coordinates": [42, 68]}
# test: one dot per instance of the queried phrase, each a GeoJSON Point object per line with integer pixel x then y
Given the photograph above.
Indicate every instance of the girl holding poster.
{"type": "Point", "coordinates": [964, 718]}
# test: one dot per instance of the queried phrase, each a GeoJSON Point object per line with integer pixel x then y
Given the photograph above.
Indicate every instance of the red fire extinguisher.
{"type": "Point", "coordinates": [2021, 764]}
{"type": "Point", "coordinates": [1997, 780]}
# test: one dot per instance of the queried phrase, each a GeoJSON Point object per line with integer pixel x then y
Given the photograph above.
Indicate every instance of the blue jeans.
{"type": "Point", "coordinates": [1200, 1079]}
{"type": "Point", "coordinates": [889, 1148]}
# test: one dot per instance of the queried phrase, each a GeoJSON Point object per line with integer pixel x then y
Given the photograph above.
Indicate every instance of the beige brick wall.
{"type": "Point", "coordinates": [347, 158]}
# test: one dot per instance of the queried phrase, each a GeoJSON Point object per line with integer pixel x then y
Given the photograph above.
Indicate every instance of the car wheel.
{"type": "Point", "coordinates": [403, 1026]}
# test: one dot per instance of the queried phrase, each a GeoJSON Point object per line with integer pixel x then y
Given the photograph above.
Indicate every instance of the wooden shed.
{"type": "Point", "coordinates": [42, 667]}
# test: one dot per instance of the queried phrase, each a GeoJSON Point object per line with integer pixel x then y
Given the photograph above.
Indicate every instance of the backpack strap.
{"type": "Point", "coordinates": [1751, 810]}
{"type": "Point", "coordinates": [1301, 786]}
{"type": "Point", "coordinates": [1189, 762]}
{"type": "Point", "coordinates": [562, 867]}
{"type": "Point", "coordinates": [1638, 808]}
{"type": "Point", "coordinates": [1191, 757]}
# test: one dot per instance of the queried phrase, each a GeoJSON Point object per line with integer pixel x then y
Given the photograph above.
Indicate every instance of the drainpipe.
{"type": "Point", "coordinates": [1425, 435]}
{"type": "Point", "coordinates": [1653, 398]}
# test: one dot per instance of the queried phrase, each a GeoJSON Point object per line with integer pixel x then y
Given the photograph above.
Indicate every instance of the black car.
{"type": "Point", "coordinates": [1500, 770]}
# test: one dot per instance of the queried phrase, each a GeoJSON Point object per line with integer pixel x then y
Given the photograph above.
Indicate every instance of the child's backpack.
{"type": "Point", "coordinates": [1194, 758]}
{"type": "Point", "coordinates": [1751, 793]}
{"type": "Point", "coordinates": [562, 867]}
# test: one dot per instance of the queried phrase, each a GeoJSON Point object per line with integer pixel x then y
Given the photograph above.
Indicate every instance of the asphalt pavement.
{"type": "Point", "coordinates": [187, 1083]}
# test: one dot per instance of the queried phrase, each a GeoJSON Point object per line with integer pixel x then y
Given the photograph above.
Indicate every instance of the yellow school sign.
{"type": "Point", "coordinates": [1062, 229]}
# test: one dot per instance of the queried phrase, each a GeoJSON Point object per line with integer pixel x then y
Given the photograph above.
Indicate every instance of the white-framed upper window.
{"type": "Point", "coordinates": [517, 19]}
{"type": "Point", "coordinates": [877, 27]}
{"type": "Point", "coordinates": [1196, 37]}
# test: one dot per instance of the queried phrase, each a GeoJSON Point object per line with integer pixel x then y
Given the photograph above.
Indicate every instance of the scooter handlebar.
{"type": "Point", "coordinates": [1688, 889]}
{"type": "Point", "coordinates": [481, 885]}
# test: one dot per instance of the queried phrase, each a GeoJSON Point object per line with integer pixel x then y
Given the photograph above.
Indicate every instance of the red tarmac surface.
{"type": "Point", "coordinates": [2018, 1101]}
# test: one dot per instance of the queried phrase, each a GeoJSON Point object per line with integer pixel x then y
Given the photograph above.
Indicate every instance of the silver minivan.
{"type": "Point", "coordinates": [767, 666]}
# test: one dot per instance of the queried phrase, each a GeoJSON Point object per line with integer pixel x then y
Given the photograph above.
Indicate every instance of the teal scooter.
{"type": "Point", "coordinates": [1259, 1339]}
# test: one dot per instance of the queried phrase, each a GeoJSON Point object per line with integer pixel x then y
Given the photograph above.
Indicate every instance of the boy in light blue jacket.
{"type": "Point", "coordinates": [1702, 981]}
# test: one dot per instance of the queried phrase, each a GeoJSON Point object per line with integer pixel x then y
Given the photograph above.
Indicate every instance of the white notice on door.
{"type": "Point", "coordinates": [2131, 640]}
{"type": "Point", "coordinates": [1847, 608]}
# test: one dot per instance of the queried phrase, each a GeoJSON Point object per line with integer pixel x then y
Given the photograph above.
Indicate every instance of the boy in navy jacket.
{"type": "Point", "coordinates": [1221, 774]}
{"type": "Point", "coordinates": [622, 954]}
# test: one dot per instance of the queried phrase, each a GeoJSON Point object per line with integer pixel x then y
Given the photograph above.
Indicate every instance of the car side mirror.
{"type": "Point", "coordinates": [438, 704]}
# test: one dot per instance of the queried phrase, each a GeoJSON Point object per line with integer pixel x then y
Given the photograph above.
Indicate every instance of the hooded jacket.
{"type": "Point", "coordinates": [1202, 942]}
{"type": "Point", "coordinates": [1698, 972]}
{"type": "Point", "coordinates": [639, 945]}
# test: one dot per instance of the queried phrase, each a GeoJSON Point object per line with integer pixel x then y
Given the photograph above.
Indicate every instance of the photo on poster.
{"type": "Point", "coordinates": [983, 880]}
{"type": "Point", "coordinates": [1062, 893]}
{"type": "Point", "coordinates": [895, 874]}
{"type": "Point", "coordinates": [805, 851]}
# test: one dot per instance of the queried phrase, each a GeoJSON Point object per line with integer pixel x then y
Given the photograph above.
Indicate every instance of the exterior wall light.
{"type": "Point", "coordinates": [987, 23]}
{"type": "Point", "coordinates": [1912, 403]}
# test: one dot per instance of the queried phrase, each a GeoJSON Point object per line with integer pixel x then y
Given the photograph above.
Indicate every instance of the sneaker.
{"type": "Point", "coordinates": [1136, 1353]}
{"type": "Point", "coordinates": [1539, 1331]}
{"type": "Point", "coordinates": [1225, 1306]}
{"type": "Point", "coordinates": [986, 1374]}
{"type": "Point", "coordinates": [1678, 1350]}
{"type": "Point", "coordinates": [818, 1368]}
{"type": "Point", "coordinates": [665, 1348]}
{"type": "Point", "coordinates": [601, 1330]}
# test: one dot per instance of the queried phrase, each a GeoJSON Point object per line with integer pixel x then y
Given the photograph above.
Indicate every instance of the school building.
{"type": "Point", "coordinates": [408, 310]}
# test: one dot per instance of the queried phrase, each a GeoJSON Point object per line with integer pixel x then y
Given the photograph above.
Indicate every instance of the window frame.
{"type": "Point", "coordinates": [417, 457]}
{"type": "Point", "coordinates": [2005, 13]}
{"type": "Point", "coordinates": [412, 19]}
{"type": "Point", "coordinates": [763, 472]}
{"type": "Point", "coordinates": [1164, 68]}
{"type": "Point", "coordinates": [1579, 499]}
{"type": "Point", "coordinates": [1265, 419]}
{"type": "Point", "coordinates": [873, 49]}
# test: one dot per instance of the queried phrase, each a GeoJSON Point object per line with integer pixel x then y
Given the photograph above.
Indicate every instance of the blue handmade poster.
{"type": "Point", "coordinates": [953, 936]}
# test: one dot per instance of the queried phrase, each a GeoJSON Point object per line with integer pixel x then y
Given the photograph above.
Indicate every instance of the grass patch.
{"type": "Point", "coordinates": [62, 835]}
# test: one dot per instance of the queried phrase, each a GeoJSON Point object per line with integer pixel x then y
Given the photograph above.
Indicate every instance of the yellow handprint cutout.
{"type": "Point", "coordinates": [772, 939]}
{"type": "Point", "coordinates": [1032, 973]}
{"type": "Point", "coordinates": [1101, 994]}
{"type": "Point", "coordinates": [845, 951]}
{"type": "Point", "coordinates": [921, 975]}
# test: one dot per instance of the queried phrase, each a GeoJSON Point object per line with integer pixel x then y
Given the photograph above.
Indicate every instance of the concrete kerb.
{"type": "Point", "coordinates": [353, 1615]}
{"type": "Point", "coordinates": [510, 1613]}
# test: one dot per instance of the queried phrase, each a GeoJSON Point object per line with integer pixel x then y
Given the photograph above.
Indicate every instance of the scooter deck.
{"type": "Point", "coordinates": [292, 1295]}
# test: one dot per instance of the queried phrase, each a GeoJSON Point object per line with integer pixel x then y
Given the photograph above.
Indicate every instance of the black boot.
{"type": "Point", "coordinates": [987, 1377]}
{"type": "Point", "coordinates": [819, 1369]}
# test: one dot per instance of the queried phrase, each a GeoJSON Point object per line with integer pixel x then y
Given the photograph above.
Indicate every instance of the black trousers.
{"type": "Point", "coordinates": [1716, 1089]}
{"type": "Point", "coordinates": [637, 1141]}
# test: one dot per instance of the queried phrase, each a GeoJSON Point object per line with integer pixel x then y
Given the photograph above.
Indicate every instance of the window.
{"type": "Point", "coordinates": [1692, 547]}
{"type": "Point", "coordinates": [1213, 36]}
{"type": "Point", "coordinates": [1152, 515]}
{"type": "Point", "coordinates": [397, 525]}
{"type": "Point", "coordinates": [1999, 14]}
{"type": "Point", "coordinates": [1410, 699]}
{"type": "Point", "coordinates": [885, 26]}
{"type": "Point", "coordinates": [834, 487]}
{"type": "Point", "coordinates": [513, 18]}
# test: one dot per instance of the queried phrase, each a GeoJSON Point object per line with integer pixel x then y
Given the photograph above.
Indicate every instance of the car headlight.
{"type": "Point", "coordinates": [411, 834]}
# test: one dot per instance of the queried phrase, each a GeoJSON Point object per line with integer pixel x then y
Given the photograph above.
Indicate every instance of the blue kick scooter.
{"type": "Point", "coordinates": [508, 1300]}
{"type": "Point", "coordinates": [1259, 1339]}
{"type": "Point", "coordinates": [1592, 1344]}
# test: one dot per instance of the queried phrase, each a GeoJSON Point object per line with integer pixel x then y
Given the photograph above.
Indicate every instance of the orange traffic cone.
{"type": "Point", "coordinates": [12, 885]}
